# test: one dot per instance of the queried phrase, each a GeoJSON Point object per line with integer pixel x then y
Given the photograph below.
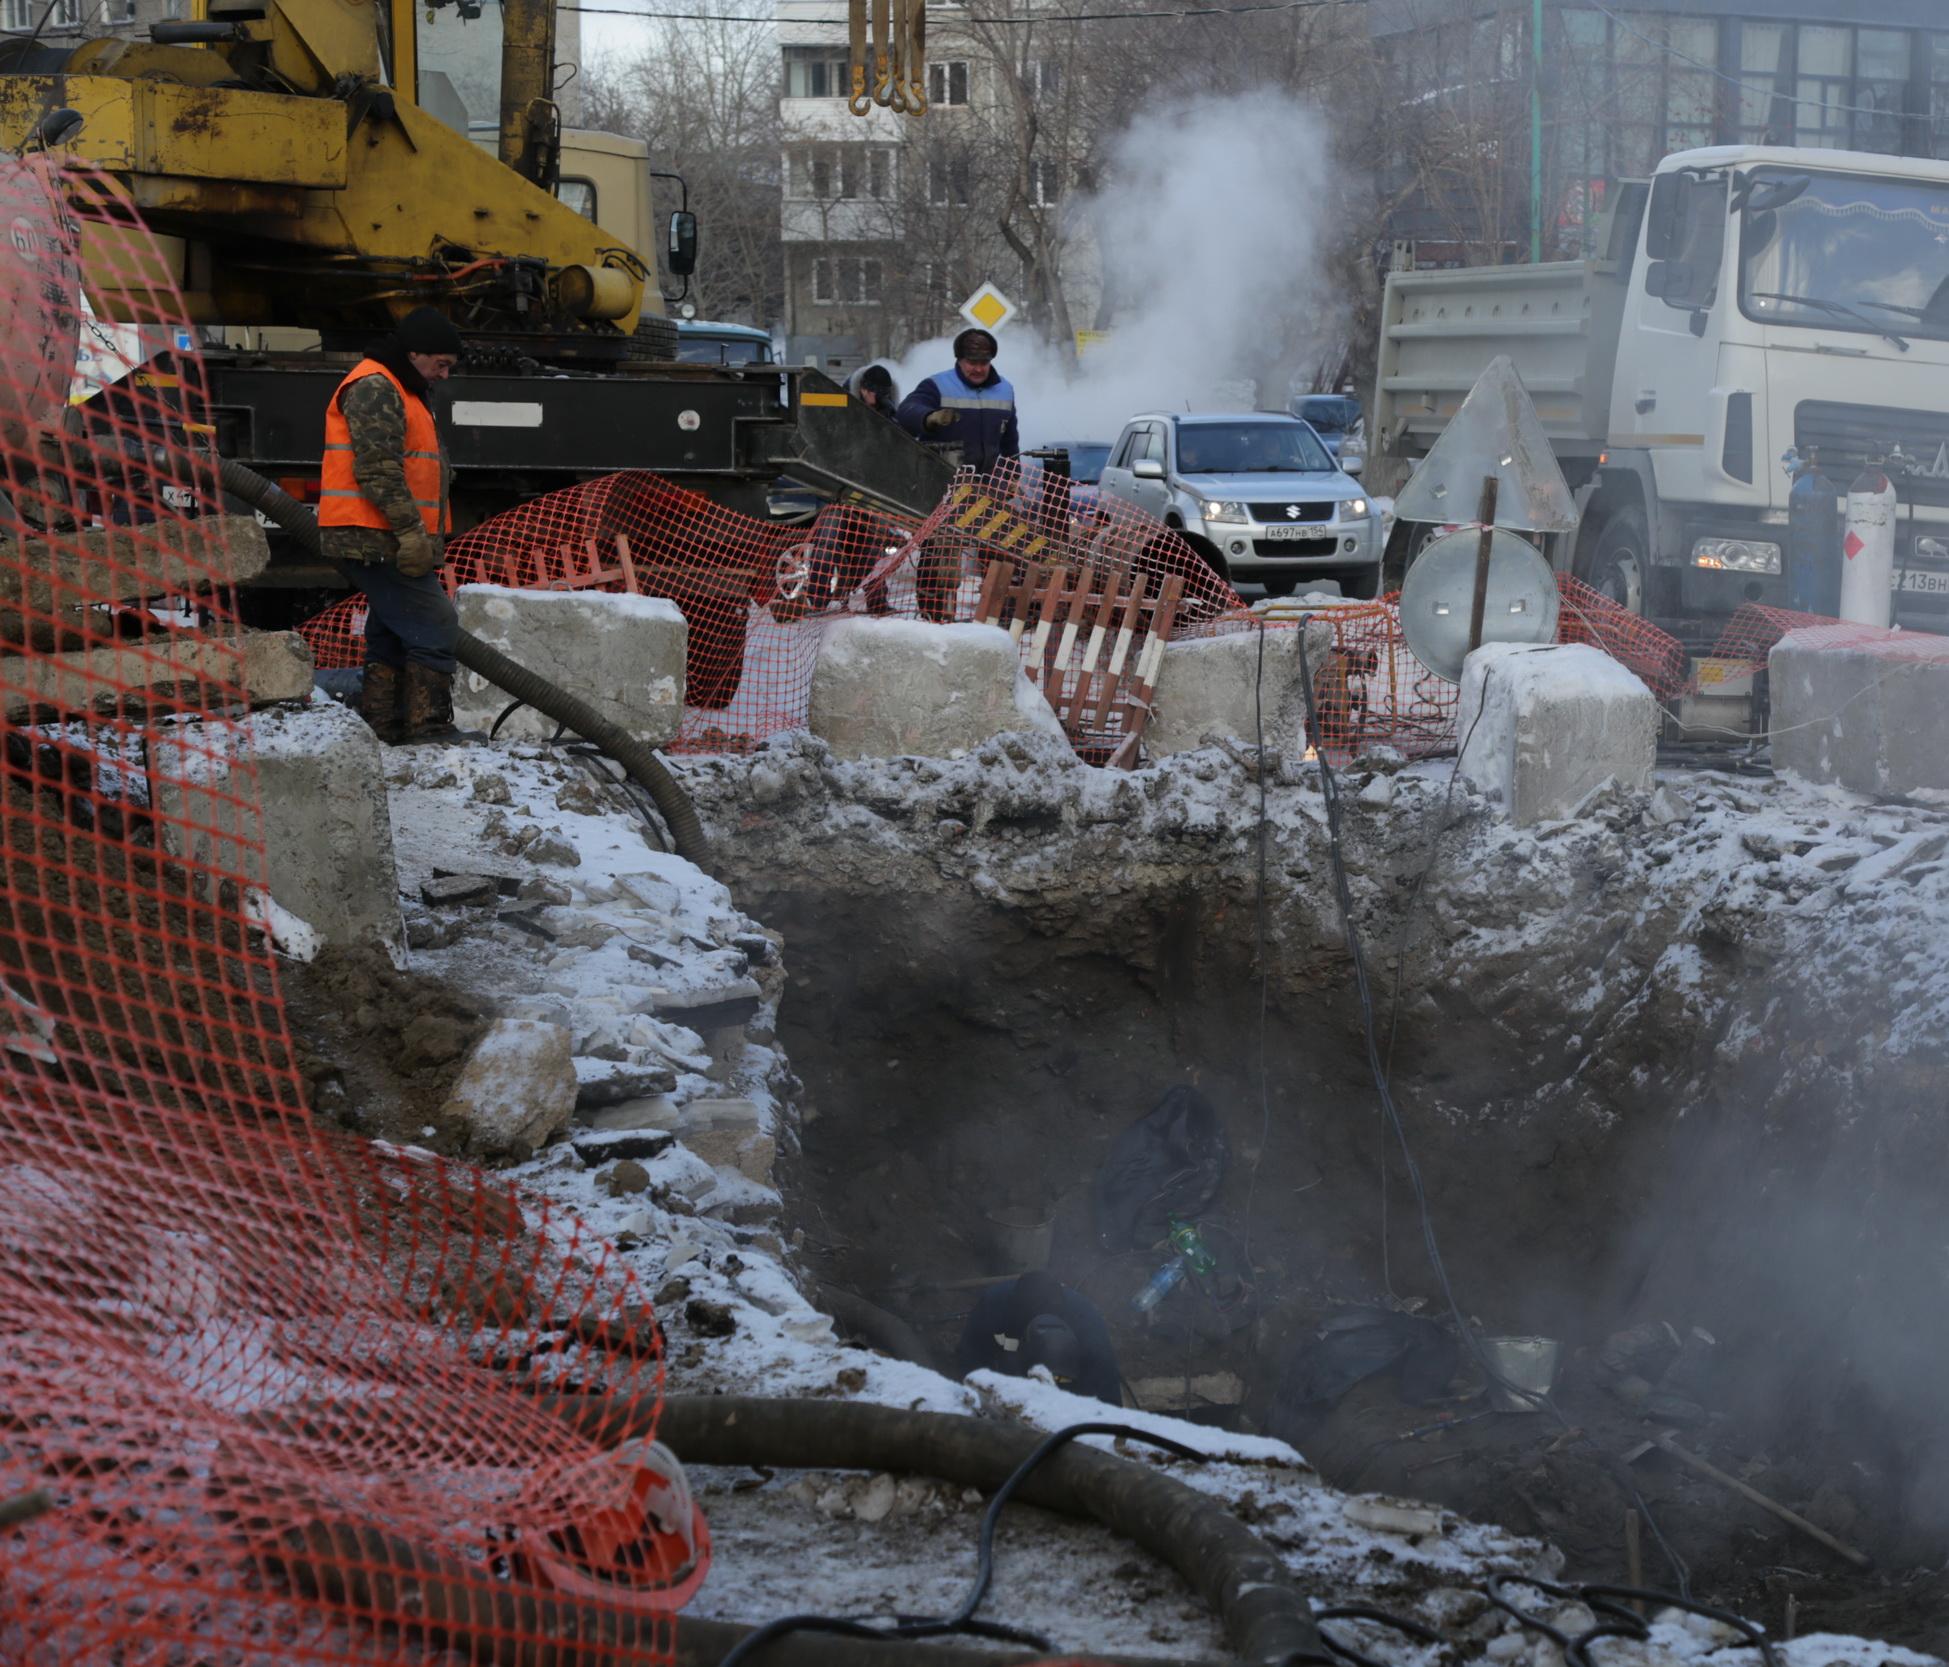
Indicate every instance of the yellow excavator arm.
{"type": "Point", "coordinates": [283, 142]}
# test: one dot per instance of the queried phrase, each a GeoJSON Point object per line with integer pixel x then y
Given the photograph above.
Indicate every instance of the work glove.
{"type": "Point", "coordinates": [418, 554]}
{"type": "Point", "coordinates": [939, 419]}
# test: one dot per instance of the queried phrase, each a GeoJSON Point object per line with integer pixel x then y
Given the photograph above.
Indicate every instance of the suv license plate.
{"type": "Point", "coordinates": [1930, 584]}
{"type": "Point", "coordinates": [1303, 529]}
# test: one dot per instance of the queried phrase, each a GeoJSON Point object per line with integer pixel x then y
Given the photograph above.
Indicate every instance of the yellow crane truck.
{"type": "Point", "coordinates": [283, 152]}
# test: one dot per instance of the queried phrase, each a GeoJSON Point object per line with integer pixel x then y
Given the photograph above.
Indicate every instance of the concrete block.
{"type": "Point", "coordinates": [1207, 685]}
{"type": "Point", "coordinates": [886, 688]}
{"type": "Point", "coordinates": [1861, 711]}
{"type": "Point", "coordinates": [624, 655]}
{"type": "Point", "coordinates": [517, 1089]}
{"type": "Point", "coordinates": [1547, 725]}
{"type": "Point", "coordinates": [327, 831]}
{"type": "Point", "coordinates": [206, 668]}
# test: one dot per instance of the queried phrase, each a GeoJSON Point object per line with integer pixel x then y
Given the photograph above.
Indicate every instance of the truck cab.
{"type": "Point", "coordinates": [1752, 300]}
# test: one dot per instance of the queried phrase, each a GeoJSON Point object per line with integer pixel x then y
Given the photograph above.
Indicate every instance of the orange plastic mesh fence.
{"type": "Point", "coordinates": [1752, 631]}
{"type": "Point", "coordinates": [758, 598]}
{"type": "Point", "coordinates": [267, 1393]}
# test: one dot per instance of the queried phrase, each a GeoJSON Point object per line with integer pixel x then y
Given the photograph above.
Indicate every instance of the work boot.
{"type": "Point", "coordinates": [379, 700]}
{"type": "Point", "coordinates": [429, 705]}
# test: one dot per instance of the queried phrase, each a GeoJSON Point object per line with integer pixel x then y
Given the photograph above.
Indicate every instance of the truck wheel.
{"type": "Point", "coordinates": [1616, 566]}
{"type": "Point", "coordinates": [655, 339]}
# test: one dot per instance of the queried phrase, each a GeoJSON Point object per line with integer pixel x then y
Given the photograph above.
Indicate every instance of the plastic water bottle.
{"type": "Point", "coordinates": [1160, 1285]}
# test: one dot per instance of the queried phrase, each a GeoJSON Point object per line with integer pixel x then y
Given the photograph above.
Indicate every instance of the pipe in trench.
{"type": "Point", "coordinates": [641, 761]}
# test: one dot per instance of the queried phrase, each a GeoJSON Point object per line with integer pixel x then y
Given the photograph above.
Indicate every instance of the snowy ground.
{"type": "Point", "coordinates": [641, 939]}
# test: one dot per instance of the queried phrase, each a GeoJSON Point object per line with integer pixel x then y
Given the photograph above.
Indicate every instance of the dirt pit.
{"type": "Point", "coordinates": [1658, 1072]}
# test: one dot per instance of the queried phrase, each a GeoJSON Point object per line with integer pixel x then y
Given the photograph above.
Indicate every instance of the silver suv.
{"type": "Point", "coordinates": [1255, 493]}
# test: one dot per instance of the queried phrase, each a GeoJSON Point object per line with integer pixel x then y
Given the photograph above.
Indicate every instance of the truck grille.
{"type": "Point", "coordinates": [1273, 549]}
{"type": "Point", "coordinates": [1281, 511]}
{"type": "Point", "coordinates": [1848, 435]}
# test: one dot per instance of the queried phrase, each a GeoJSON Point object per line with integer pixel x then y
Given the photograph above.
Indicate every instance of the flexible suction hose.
{"type": "Point", "coordinates": [641, 761]}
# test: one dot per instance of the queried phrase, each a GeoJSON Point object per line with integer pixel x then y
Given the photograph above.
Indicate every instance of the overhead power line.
{"type": "Point", "coordinates": [1168, 15]}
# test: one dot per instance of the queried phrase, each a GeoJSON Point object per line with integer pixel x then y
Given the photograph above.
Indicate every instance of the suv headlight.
{"type": "Point", "coordinates": [1225, 509]}
{"type": "Point", "coordinates": [1737, 555]}
{"type": "Point", "coordinates": [1353, 509]}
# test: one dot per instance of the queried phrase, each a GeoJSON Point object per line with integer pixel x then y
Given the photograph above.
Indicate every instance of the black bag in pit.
{"type": "Point", "coordinates": [1353, 1344]}
{"type": "Point", "coordinates": [1170, 1162]}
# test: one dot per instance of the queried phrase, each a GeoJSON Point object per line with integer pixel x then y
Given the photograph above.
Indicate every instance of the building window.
{"type": "Point", "coordinates": [947, 181]}
{"type": "Point", "coordinates": [842, 173]}
{"type": "Point", "coordinates": [947, 83]}
{"type": "Point", "coordinates": [1880, 88]}
{"type": "Point", "coordinates": [121, 11]}
{"type": "Point", "coordinates": [1939, 96]}
{"type": "Point", "coordinates": [13, 15]}
{"type": "Point", "coordinates": [1765, 83]}
{"type": "Point", "coordinates": [1043, 77]}
{"type": "Point", "coordinates": [1045, 183]}
{"type": "Point", "coordinates": [22, 15]}
{"type": "Point", "coordinates": [816, 72]}
{"type": "Point", "coordinates": [846, 280]}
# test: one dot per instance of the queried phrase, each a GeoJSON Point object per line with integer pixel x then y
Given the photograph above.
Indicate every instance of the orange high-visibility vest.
{"type": "Point", "coordinates": [341, 503]}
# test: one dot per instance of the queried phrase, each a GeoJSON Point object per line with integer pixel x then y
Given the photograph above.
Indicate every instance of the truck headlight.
{"type": "Point", "coordinates": [1353, 509]}
{"type": "Point", "coordinates": [1737, 555]}
{"type": "Point", "coordinates": [1224, 510]}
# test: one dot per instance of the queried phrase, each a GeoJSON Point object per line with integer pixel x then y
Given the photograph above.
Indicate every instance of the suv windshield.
{"type": "Point", "coordinates": [1869, 256]}
{"type": "Point", "coordinates": [1328, 413]}
{"type": "Point", "coordinates": [722, 350]}
{"type": "Point", "coordinates": [1267, 448]}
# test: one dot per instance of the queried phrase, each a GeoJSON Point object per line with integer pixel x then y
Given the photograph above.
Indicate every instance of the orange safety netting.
{"type": "Point", "coordinates": [267, 1393]}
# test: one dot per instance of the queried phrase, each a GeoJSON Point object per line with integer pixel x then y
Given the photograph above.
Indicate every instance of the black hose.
{"type": "Point", "coordinates": [639, 760]}
{"type": "Point", "coordinates": [1265, 1616]}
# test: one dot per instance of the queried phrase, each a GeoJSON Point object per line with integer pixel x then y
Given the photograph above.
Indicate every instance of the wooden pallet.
{"type": "Point", "coordinates": [1096, 643]}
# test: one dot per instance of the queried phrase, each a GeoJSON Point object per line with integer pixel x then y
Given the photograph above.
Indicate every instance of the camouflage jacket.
{"type": "Point", "coordinates": [377, 419]}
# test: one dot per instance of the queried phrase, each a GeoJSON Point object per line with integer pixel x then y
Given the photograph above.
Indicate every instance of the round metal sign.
{"type": "Point", "coordinates": [1439, 592]}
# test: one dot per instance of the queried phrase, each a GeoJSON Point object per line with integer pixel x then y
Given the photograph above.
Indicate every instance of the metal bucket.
{"type": "Point", "coordinates": [1528, 1363]}
{"type": "Point", "coordinates": [1022, 1236]}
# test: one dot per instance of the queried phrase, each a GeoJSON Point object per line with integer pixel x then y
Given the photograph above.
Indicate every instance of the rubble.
{"type": "Point", "coordinates": [884, 688]}
{"type": "Point", "coordinates": [517, 1090]}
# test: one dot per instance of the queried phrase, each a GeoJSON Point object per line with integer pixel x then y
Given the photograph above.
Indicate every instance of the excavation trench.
{"type": "Point", "coordinates": [1641, 1092]}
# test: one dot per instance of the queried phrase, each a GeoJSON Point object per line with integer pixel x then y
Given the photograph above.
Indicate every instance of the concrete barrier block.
{"type": "Point", "coordinates": [327, 831]}
{"type": "Point", "coordinates": [884, 688]}
{"type": "Point", "coordinates": [624, 655]}
{"type": "Point", "coordinates": [1211, 685]}
{"type": "Point", "coordinates": [1546, 726]}
{"type": "Point", "coordinates": [1861, 712]}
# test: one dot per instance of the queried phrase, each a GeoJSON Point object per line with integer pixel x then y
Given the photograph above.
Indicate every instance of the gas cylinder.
{"type": "Point", "coordinates": [1813, 539]}
{"type": "Point", "coordinates": [1868, 547]}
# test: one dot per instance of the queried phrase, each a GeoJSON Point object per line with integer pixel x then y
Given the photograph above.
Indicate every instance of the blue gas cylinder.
{"type": "Point", "coordinates": [1813, 554]}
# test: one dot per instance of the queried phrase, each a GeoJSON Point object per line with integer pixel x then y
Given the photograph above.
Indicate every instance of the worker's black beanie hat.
{"type": "Point", "coordinates": [425, 330]}
{"type": "Point", "coordinates": [969, 340]}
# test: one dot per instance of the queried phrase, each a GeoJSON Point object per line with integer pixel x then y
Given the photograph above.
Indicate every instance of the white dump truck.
{"type": "Point", "coordinates": [1745, 301]}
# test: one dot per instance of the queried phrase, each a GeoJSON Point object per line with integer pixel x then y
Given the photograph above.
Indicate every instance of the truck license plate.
{"type": "Point", "coordinates": [1306, 529]}
{"type": "Point", "coordinates": [1930, 584]}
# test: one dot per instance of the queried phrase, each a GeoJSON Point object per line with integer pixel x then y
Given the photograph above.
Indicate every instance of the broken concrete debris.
{"type": "Point", "coordinates": [1545, 727]}
{"type": "Point", "coordinates": [517, 1090]}
{"type": "Point", "coordinates": [885, 688]}
{"type": "Point", "coordinates": [622, 654]}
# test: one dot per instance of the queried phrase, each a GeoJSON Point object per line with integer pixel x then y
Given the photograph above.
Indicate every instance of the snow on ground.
{"type": "Point", "coordinates": [639, 939]}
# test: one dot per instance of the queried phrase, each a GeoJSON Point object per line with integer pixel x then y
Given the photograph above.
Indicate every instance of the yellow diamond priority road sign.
{"type": "Point", "coordinates": [988, 307]}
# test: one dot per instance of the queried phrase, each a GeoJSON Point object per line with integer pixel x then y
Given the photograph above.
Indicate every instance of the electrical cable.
{"type": "Point", "coordinates": [962, 1619]}
{"type": "Point", "coordinates": [1265, 971]}
{"type": "Point", "coordinates": [1329, 792]}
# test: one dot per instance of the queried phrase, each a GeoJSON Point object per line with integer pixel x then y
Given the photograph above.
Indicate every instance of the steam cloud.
{"type": "Point", "coordinates": [1214, 226]}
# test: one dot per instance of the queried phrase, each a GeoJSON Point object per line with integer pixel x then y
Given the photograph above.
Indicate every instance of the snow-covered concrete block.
{"type": "Point", "coordinates": [327, 832]}
{"type": "Point", "coordinates": [885, 688]}
{"type": "Point", "coordinates": [517, 1089]}
{"type": "Point", "coordinates": [1547, 726]}
{"type": "Point", "coordinates": [1865, 713]}
{"type": "Point", "coordinates": [624, 655]}
{"type": "Point", "coordinates": [1218, 686]}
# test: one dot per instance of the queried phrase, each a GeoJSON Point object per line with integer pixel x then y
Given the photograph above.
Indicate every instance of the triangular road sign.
{"type": "Point", "coordinates": [1496, 432]}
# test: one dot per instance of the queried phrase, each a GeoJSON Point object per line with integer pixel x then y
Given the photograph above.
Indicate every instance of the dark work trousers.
{"type": "Point", "coordinates": [406, 619]}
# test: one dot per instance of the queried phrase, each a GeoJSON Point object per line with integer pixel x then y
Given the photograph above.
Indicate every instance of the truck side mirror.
{"type": "Point", "coordinates": [681, 257]}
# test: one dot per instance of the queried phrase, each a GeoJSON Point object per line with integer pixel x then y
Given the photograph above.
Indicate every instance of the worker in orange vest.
{"type": "Point", "coordinates": [383, 511]}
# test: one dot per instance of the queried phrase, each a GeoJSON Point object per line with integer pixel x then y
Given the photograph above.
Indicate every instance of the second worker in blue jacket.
{"type": "Point", "coordinates": [971, 405]}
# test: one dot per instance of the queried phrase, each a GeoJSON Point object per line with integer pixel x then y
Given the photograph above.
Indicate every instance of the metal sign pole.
{"type": "Point", "coordinates": [1486, 515]}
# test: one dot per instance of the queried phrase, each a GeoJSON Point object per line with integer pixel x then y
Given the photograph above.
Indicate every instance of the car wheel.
{"type": "Point", "coordinates": [1616, 566]}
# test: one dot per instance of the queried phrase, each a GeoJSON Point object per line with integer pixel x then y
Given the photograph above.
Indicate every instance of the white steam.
{"type": "Point", "coordinates": [1214, 228]}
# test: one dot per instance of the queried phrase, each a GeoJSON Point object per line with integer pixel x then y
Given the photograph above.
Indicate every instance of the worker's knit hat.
{"type": "Point", "coordinates": [427, 330]}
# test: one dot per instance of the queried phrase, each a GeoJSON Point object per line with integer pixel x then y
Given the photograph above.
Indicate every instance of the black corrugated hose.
{"type": "Point", "coordinates": [641, 761]}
